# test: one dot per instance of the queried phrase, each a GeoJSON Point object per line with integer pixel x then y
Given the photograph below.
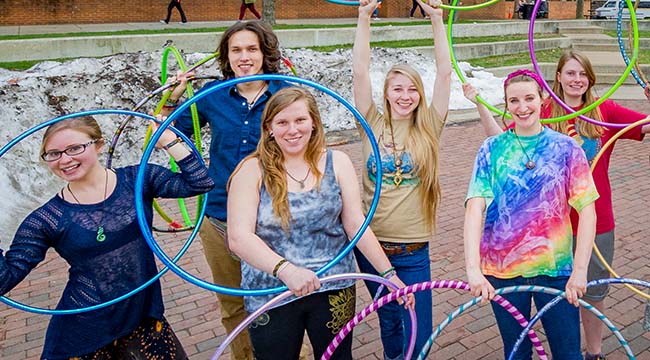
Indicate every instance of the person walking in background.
{"type": "Point", "coordinates": [414, 7]}
{"type": "Point", "coordinates": [525, 183]}
{"type": "Point", "coordinates": [250, 5]}
{"type": "Point", "coordinates": [408, 133]}
{"type": "Point", "coordinates": [174, 4]}
{"type": "Point", "coordinates": [233, 114]}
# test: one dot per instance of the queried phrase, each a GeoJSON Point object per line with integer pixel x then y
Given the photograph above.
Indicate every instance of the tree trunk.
{"type": "Point", "coordinates": [268, 11]}
{"type": "Point", "coordinates": [580, 9]}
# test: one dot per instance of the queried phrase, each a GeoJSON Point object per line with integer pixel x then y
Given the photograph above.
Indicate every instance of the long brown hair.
{"type": "Point", "coordinates": [269, 45]}
{"type": "Point", "coordinates": [422, 143]}
{"type": "Point", "coordinates": [587, 129]}
{"type": "Point", "coordinates": [270, 156]}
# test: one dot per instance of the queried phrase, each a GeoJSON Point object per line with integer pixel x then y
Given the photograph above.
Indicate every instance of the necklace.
{"type": "Point", "coordinates": [397, 160]}
{"type": "Point", "coordinates": [100, 229]}
{"type": "Point", "coordinates": [300, 182]}
{"type": "Point", "coordinates": [530, 164]}
{"type": "Point", "coordinates": [259, 92]}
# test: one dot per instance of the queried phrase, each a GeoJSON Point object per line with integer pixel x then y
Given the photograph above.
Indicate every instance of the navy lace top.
{"type": "Point", "coordinates": [99, 271]}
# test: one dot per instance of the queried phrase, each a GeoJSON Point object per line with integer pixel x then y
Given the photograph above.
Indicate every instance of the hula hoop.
{"type": "Point", "coordinates": [36, 128]}
{"type": "Point", "coordinates": [238, 291]}
{"type": "Point", "coordinates": [454, 63]}
{"type": "Point", "coordinates": [621, 44]}
{"type": "Point", "coordinates": [594, 162]}
{"type": "Point", "coordinates": [603, 318]}
{"type": "Point", "coordinates": [273, 302]}
{"type": "Point", "coordinates": [572, 113]}
{"type": "Point", "coordinates": [442, 6]}
{"type": "Point", "coordinates": [505, 304]}
{"type": "Point", "coordinates": [427, 285]}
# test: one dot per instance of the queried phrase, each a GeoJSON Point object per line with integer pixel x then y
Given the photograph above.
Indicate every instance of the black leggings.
{"type": "Point", "coordinates": [277, 334]}
{"type": "Point", "coordinates": [415, 6]}
{"type": "Point", "coordinates": [175, 4]}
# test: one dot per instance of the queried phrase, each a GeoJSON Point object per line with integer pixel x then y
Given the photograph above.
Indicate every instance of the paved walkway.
{"type": "Point", "coordinates": [194, 313]}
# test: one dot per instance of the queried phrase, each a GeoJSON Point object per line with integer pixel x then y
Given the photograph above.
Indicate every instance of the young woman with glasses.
{"type": "Point", "coordinates": [91, 222]}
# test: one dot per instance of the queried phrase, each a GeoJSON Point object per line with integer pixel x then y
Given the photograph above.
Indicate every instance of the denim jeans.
{"type": "Point", "coordinates": [394, 321]}
{"type": "Point", "coordinates": [561, 322]}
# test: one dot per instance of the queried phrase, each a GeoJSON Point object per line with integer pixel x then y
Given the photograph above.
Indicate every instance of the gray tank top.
{"type": "Point", "coordinates": [316, 236]}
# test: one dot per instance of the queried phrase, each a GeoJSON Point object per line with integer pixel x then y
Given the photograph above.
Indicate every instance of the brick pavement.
{"type": "Point", "coordinates": [194, 313]}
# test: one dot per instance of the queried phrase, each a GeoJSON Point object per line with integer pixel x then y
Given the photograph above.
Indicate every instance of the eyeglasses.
{"type": "Point", "coordinates": [70, 151]}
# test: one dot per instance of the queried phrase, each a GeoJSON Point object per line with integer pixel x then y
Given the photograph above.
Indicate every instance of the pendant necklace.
{"type": "Point", "coordinates": [100, 229]}
{"type": "Point", "coordinates": [397, 160]}
{"type": "Point", "coordinates": [530, 164]}
{"type": "Point", "coordinates": [300, 182]}
{"type": "Point", "coordinates": [259, 92]}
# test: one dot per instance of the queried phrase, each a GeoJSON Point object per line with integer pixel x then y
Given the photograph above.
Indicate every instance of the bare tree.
{"type": "Point", "coordinates": [268, 11]}
{"type": "Point", "coordinates": [580, 8]}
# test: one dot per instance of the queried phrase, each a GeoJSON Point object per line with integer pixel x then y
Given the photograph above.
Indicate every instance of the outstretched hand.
{"type": "Point", "coordinates": [178, 90]}
{"type": "Point", "coordinates": [431, 8]}
{"type": "Point", "coordinates": [367, 7]}
{"type": "Point", "coordinates": [470, 93]}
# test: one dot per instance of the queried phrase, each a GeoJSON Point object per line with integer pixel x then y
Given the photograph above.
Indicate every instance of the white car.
{"type": "Point", "coordinates": [610, 10]}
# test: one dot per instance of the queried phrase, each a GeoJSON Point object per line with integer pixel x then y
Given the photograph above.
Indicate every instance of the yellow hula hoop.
{"type": "Point", "coordinates": [593, 166]}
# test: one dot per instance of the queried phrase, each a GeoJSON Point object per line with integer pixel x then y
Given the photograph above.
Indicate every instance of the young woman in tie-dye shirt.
{"type": "Point", "coordinates": [527, 180]}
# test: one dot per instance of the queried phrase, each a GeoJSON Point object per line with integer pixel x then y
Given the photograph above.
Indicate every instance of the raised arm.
{"type": "Point", "coordinates": [487, 120]}
{"type": "Point", "coordinates": [442, 85]}
{"type": "Point", "coordinates": [352, 218]}
{"type": "Point", "coordinates": [362, 87]}
{"type": "Point", "coordinates": [243, 201]}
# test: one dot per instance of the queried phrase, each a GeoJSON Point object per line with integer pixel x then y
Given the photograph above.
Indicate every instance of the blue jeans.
{"type": "Point", "coordinates": [394, 321]}
{"type": "Point", "coordinates": [561, 322]}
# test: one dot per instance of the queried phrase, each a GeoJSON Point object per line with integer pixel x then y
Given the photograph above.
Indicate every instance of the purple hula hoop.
{"type": "Point", "coordinates": [276, 300]}
{"type": "Point", "coordinates": [428, 285]}
{"type": "Point", "coordinates": [533, 58]}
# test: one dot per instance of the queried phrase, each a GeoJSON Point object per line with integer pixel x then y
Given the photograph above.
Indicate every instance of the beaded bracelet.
{"type": "Point", "coordinates": [277, 267]}
{"type": "Point", "coordinates": [383, 274]}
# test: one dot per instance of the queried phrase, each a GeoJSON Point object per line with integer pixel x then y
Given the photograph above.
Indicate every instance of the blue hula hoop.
{"type": "Point", "coordinates": [621, 46]}
{"type": "Point", "coordinates": [36, 128]}
{"type": "Point", "coordinates": [561, 295]}
{"type": "Point", "coordinates": [154, 138]}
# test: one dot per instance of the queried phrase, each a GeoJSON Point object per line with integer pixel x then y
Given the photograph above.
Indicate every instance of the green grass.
{"type": "Point", "coordinates": [214, 29]}
{"type": "Point", "coordinates": [524, 58]}
{"type": "Point", "coordinates": [642, 34]}
{"type": "Point", "coordinates": [429, 42]}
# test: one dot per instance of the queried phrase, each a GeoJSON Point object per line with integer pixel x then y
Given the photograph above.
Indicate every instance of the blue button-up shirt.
{"type": "Point", "coordinates": [235, 133]}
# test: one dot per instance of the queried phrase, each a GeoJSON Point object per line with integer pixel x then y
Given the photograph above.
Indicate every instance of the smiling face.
{"type": "Point", "coordinates": [76, 167]}
{"type": "Point", "coordinates": [292, 128]}
{"type": "Point", "coordinates": [574, 80]}
{"type": "Point", "coordinates": [402, 95]}
{"type": "Point", "coordinates": [244, 53]}
{"type": "Point", "coordinates": [523, 101]}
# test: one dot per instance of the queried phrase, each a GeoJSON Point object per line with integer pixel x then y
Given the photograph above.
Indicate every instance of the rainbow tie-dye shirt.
{"type": "Point", "coordinates": [527, 227]}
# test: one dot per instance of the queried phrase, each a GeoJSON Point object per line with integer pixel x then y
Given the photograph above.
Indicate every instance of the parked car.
{"type": "Point", "coordinates": [610, 10]}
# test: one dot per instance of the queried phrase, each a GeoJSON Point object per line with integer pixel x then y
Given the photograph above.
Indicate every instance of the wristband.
{"type": "Point", "coordinates": [174, 142]}
{"type": "Point", "coordinates": [383, 274]}
{"type": "Point", "coordinates": [277, 267]}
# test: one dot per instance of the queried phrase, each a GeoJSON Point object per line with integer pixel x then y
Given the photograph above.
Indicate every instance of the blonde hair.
{"type": "Point", "coordinates": [83, 124]}
{"type": "Point", "coordinates": [271, 158]}
{"type": "Point", "coordinates": [587, 129]}
{"type": "Point", "coordinates": [422, 143]}
{"type": "Point", "coordinates": [520, 76]}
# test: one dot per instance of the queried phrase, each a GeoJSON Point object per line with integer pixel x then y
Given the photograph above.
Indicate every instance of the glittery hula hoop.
{"type": "Point", "coordinates": [561, 295]}
{"type": "Point", "coordinates": [427, 285]}
{"type": "Point", "coordinates": [636, 72]}
{"type": "Point", "coordinates": [147, 154]}
{"type": "Point", "coordinates": [572, 113]}
{"type": "Point", "coordinates": [594, 162]}
{"type": "Point", "coordinates": [505, 304]}
{"type": "Point", "coordinates": [454, 63]}
{"type": "Point", "coordinates": [36, 128]}
{"type": "Point", "coordinates": [442, 6]}
{"type": "Point", "coordinates": [276, 300]}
